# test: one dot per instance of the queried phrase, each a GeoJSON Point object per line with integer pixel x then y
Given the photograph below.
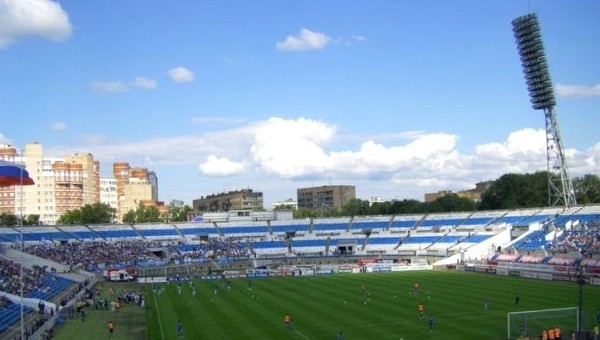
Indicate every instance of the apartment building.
{"type": "Point", "coordinates": [135, 186]}
{"type": "Point", "coordinates": [70, 182]}
{"type": "Point", "coordinates": [325, 198]}
{"type": "Point", "coordinates": [245, 199]}
{"type": "Point", "coordinates": [472, 194]}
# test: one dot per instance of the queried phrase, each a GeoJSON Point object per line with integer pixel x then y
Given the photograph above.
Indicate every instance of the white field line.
{"type": "Point", "coordinates": [162, 334]}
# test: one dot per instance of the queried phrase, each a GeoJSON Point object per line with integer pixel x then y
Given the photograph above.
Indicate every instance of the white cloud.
{"type": "Point", "coordinates": [218, 167]}
{"type": "Point", "coordinates": [373, 159]}
{"type": "Point", "coordinates": [23, 18]}
{"type": "Point", "coordinates": [291, 148]}
{"type": "Point", "coordinates": [109, 86]}
{"type": "Point", "coordinates": [181, 75]}
{"type": "Point", "coordinates": [525, 142]}
{"type": "Point", "coordinates": [306, 40]}
{"type": "Point", "coordinates": [285, 154]}
{"type": "Point", "coordinates": [145, 83]}
{"type": "Point", "coordinates": [58, 126]}
{"type": "Point", "coordinates": [578, 91]}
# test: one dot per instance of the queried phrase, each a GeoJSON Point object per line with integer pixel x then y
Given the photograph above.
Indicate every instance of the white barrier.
{"type": "Point", "coordinates": [161, 279]}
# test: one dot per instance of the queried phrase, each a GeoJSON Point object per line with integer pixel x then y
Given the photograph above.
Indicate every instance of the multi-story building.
{"type": "Point", "coordinates": [472, 194]}
{"type": "Point", "coordinates": [244, 199]}
{"type": "Point", "coordinates": [63, 184]}
{"type": "Point", "coordinates": [108, 192]}
{"type": "Point", "coordinates": [135, 186]}
{"type": "Point", "coordinates": [41, 198]}
{"type": "Point", "coordinates": [90, 176]}
{"type": "Point", "coordinates": [68, 186]}
{"type": "Point", "coordinates": [325, 198]}
{"type": "Point", "coordinates": [153, 180]}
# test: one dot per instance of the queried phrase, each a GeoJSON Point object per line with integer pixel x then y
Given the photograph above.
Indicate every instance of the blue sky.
{"type": "Point", "coordinates": [396, 97]}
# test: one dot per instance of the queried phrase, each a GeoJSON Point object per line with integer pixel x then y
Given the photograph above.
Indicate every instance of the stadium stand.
{"type": "Point", "coordinates": [331, 225]}
{"type": "Point", "coordinates": [437, 220]}
{"type": "Point", "coordinates": [116, 232]}
{"type": "Point", "coordinates": [10, 313]}
{"type": "Point", "coordinates": [401, 223]}
{"type": "Point", "coordinates": [269, 248]}
{"type": "Point", "coordinates": [553, 236]}
{"type": "Point", "coordinates": [383, 243]}
{"type": "Point", "coordinates": [534, 240]}
{"type": "Point", "coordinates": [162, 231]}
{"type": "Point", "coordinates": [193, 230]}
{"type": "Point", "coordinates": [242, 229]}
{"type": "Point", "coordinates": [309, 246]}
{"type": "Point", "coordinates": [282, 227]}
{"type": "Point", "coordinates": [374, 224]}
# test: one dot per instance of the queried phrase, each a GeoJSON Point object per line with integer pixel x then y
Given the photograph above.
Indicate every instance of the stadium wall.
{"type": "Point", "coordinates": [479, 250]}
{"type": "Point", "coordinates": [29, 302]}
{"type": "Point", "coordinates": [531, 271]}
{"type": "Point", "coordinates": [29, 261]}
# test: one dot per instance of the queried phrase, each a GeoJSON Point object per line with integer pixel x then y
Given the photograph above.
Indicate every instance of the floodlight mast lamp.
{"type": "Point", "coordinates": [537, 76]}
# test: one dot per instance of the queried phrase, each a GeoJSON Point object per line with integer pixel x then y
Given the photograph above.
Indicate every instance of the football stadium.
{"type": "Point", "coordinates": [529, 273]}
{"type": "Point", "coordinates": [487, 274]}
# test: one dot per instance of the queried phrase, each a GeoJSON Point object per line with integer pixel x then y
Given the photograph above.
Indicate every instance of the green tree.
{"type": "Point", "coordinates": [380, 208]}
{"type": "Point", "coordinates": [32, 220]}
{"type": "Point", "coordinates": [407, 206]}
{"type": "Point", "coordinates": [513, 191]}
{"type": "Point", "coordinates": [284, 206]}
{"type": "Point", "coordinates": [71, 217]}
{"type": "Point", "coordinates": [129, 217]}
{"type": "Point", "coordinates": [306, 213]}
{"type": "Point", "coordinates": [587, 189]}
{"type": "Point", "coordinates": [177, 211]}
{"type": "Point", "coordinates": [182, 216]}
{"type": "Point", "coordinates": [8, 220]}
{"type": "Point", "coordinates": [355, 207]}
{"type": "Point", "coordinates": [144, 214]}
{"type": "Point", "coordinates": [453, 202]}
{"type": "Point", "coordinates": [96, 213]}
{"type": "Point", "coordinates": [431, 207]}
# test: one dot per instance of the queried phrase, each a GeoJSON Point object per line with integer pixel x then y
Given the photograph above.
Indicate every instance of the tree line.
{"type": "Point", "coordinates": [510, 191]}
{"type": "Point", "coordinates": [102, 213]}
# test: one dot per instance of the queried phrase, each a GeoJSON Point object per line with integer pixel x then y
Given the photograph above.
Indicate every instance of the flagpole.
{"type": "Point", "coordinates": [21, 231]}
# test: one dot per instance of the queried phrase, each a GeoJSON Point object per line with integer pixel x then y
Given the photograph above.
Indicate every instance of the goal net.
{"type": "Point", "coordinates": [533, 322]}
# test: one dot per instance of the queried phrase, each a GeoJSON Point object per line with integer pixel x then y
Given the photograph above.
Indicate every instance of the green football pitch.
{"type": "Point", "coordinates": [322, 306]}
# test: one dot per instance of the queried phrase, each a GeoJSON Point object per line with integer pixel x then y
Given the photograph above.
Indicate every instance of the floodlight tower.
{"type": "Point", "coordinates": [537, 76]}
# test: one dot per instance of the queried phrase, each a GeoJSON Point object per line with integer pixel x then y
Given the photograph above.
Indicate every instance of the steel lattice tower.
{"type": "Point", "coordinates": [533, 59]}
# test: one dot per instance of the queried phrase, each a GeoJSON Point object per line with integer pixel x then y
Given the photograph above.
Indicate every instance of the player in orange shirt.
{"type": "Point", "coordinates": [421, 310]}
{"type": "Point", "coordinates": [287, 320]}
{"type": "Point", "coordinates": [111, 328]}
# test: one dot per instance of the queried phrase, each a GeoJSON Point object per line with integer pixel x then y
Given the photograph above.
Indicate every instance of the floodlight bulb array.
{"type": "Point", "coordinates": [533, 59]}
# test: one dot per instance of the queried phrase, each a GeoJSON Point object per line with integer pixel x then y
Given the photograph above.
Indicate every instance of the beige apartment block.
{"type": "Point", "coordinates": [134, 195]}
{"type": "Point", "coordinates": [69, 183]}
{"type": "Point", "coordinates": [325, 198]}
{"type": "Point", "coordinates": [90, 176]}
{"type": "Point", "coordinates": [133, 188]}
